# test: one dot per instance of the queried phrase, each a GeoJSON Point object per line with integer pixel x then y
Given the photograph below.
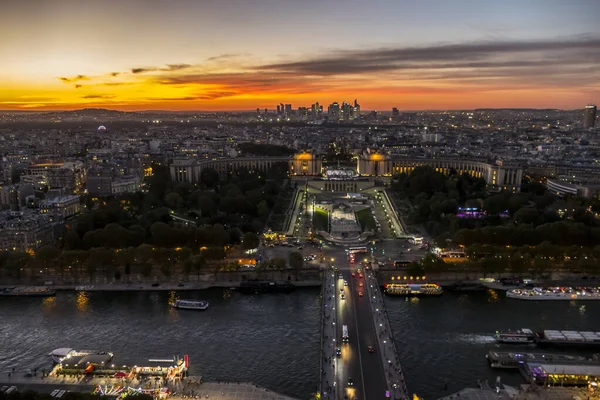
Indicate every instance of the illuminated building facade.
{"type": "Point", "coordinates": [305, 164]}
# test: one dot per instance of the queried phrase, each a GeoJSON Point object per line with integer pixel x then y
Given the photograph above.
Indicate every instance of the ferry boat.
{"type": "Point", "coordinates": [555, 293]}
{"type": "Point", "coordinates": [519, 336]}
{"type": "Point", "coordinates": [31, 291]}
{"type": "Point", "coordinates": [500, 359]}
{"type": "Point", "coordinates": [413, 289]}
{"type": "Point", "coordinates": [190, 304]}
{"type": "Point", "coordinates": [568, 338]}
{"type": "Point", "coordinates": [64, 353]}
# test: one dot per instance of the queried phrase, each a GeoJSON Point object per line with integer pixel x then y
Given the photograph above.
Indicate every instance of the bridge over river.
{"type": "Point", "coordinates": [367, 366]}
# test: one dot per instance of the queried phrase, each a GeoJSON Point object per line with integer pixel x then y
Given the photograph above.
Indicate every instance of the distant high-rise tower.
{"type": "Point", "coordinates": [356, 109]}
{"type": "Point", "coordinates": [288, 109]}
{"type": "Point", "coordinates": [395, 112]}
{"type": "Point", "coordinates": [589, 116]}
{"type": "Point", "coordinates": [334, 111]}
{"type": "Point", "coordinates": [258, 111]}
{"type": "Point", "coordinates": [278, 110]}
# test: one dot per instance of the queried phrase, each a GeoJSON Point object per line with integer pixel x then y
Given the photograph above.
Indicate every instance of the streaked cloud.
{"type": "Point", "coordinates": [98, 96]}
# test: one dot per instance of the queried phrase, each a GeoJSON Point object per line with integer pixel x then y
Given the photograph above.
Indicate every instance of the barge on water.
{"type": "Point", "coordinates": [413, 289]}
{"type": "Point", "coordinates": [258, 287]}
{"type": "Point", "coordinates": [28, 291]}
{"type": "Point", "coordinates": [568, 339]}
{"type": "Point", "coordinates": [501, 359]}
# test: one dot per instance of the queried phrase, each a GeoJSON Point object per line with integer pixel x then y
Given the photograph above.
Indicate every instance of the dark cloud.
{"type": "Point", "coordinates": [78, 86]}
{"type": "Point", "coordinates": [98, 96]}
{"type": "Point", "coordinates": [141, 70]}
{"type": "Point", "coordinates": [113, 74]}
{"type": "Point", "coordinates": [75, 79]}
{"type": "Point", "coordinates": [115, 84]}
{"type": "Point", "coordinates": [533, 55]}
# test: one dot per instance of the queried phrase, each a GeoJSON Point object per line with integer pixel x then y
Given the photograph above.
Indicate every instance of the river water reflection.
{"type": "Point", "coordinates": [445, 339]}
{"type": "Point", "coordinates": [271, 340]}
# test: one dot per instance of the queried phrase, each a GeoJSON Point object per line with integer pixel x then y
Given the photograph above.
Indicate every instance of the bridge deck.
{"type": "Point", "coordinates": [391, 362]}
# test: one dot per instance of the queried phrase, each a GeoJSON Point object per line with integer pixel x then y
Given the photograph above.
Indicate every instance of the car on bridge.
{"type": "Point", "coordinates": [360, 294]}
{"type": "Point", "coordinates": [343, 297]}
{"type": "Point", "coordinates": [371, 349]}
{"type": "Point", "coordinates": [353, 274]}
{"type": "Point", "coordinates": [360, 275]}
{"type": "Point", "coordinates": [360, 284]}
{"type": "Point", "coordinates": [350, 382]}
{"type": "Point", "coordinates": [345, 283]}
{"type": "Point", "coordinates": [338, 352]}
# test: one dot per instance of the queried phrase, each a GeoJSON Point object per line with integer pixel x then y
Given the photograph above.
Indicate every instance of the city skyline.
{"type": "Point", "coordinates": [234, 55]}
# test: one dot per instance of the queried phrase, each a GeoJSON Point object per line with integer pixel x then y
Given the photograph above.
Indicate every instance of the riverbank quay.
{"type": "Point", "coordinates": [328, 359]}
{"type": "Point", "coordinates": [191, 387]}
{"type": "Point", "coordinates": [523, 392]}
{"type": "Point", "coordinates": [126, 287]}
{"type": "Point", "coordinates": [387, 345]}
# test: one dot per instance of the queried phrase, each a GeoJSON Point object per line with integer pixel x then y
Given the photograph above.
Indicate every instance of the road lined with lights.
{"type": "Point", "coordinates": [359, 370]}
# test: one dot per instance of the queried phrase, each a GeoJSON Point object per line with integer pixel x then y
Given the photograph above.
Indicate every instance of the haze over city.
{"type": "Point", "coordinates": [240, 55]}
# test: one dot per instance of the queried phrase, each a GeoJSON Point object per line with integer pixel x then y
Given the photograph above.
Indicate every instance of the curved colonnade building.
{"type": "Point", "coordinates": [500, 175]}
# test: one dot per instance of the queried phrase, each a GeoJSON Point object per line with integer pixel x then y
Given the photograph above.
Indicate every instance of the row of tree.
{"type": "Point", "coordinates": [145, 260]}
{"type": "Point", "coordinates": [561, 233]}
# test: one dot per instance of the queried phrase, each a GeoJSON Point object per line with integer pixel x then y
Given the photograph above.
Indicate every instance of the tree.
{"type": "Point", "coordinates": [74, 259]}
{"type": "Point", "coordinates": [209, 177]}
{"type": "Point", "coordinates": [47, 257]}
{"type": "Point", "coordinates": [296, 262]}
{"type": "Point", "coordinates": [250, 241]}
{"type": "Point", "coordinates": [173, 201]}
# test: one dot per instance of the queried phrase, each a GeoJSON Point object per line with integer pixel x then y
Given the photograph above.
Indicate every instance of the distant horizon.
{"type": "Point", "coordinates": [232, 55]}
{"type": "Point", "coordinates": [253, 110]}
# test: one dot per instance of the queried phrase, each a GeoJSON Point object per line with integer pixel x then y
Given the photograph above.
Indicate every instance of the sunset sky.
{"type": "Point", "coordinates": [244, 54]}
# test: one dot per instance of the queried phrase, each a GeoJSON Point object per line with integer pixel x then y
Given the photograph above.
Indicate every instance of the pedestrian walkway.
{"type": "Point", "coordinates": [391, 362]}
{"type": "Point", "coordinates": [328, 337]}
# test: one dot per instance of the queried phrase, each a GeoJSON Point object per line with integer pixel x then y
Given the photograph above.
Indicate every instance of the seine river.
{"type": "Point", "coordinates": [273, 340]}
{"type": "Point", "coordinates": [445, 339]}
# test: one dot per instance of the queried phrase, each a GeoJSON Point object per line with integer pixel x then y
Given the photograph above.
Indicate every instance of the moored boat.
{"type": "Point", "coordinates": [555, 293]}
{"type": "Point", "coordinates": [30, 291]}
{"type": "Point", "coordinates": [67, 353]}
{"type": "Point", "coordinates": [413, 289]}
{"type": "Point", "coordinates": [190, 304]}
{"type": "Point", "coordinates": [501, 359]}
{"type": "Point", "coordinates": [519, 336]}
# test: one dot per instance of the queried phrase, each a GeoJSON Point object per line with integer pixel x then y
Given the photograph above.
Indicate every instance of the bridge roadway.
{"type": "Point", "coordinates": [369, 374]}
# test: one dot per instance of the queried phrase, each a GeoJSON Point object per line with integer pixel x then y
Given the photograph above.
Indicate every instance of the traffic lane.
{"type": "Point", "coordinates": [375, 383]}
{"type": "Point", "coordinates": [350, 351]}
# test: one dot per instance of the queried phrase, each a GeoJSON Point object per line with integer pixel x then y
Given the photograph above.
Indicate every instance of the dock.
{"type": "Point", "coordinates": [191, 386]}
{"type": "Point", "coordinates": [523, 392]}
